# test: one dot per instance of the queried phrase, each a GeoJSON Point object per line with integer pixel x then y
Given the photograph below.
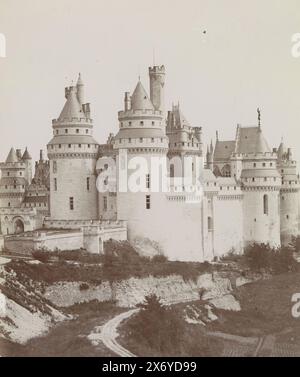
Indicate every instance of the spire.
{"type": "Point", "coordinates": [26, 155]}
{"type": "Point", "coordinates": [12, 156]}
{"type": "Point", "coordinates": [217, 135]}
{"type": "Point", "coordinates": [72, 108]}
{"type": "Point", "coordinates": [258, 116]}
{"type": "Point", "coordinates": [140, 99]}
{"type": "Point", "coordinates": [79, 81]}
{"type": "Point", "coordinates": [211, 146]}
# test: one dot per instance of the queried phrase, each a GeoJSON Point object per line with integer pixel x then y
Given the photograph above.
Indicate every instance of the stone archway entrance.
{"type": "Point", "coordinates": [18, 226]}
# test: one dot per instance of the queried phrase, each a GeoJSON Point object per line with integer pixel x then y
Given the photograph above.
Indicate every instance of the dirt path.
{"type": "Point", "coordinates": [109, 334]}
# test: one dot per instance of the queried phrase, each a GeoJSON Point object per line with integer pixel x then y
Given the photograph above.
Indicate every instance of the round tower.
{"type": "Point", "coordinates": [185, 147]}
{"type": "Point", "coordinates": [289, 195]}
{"type": "Point", "coordinates": [13, 182]}
{"type": "Point", "coordinates": [261, 184]}
{"type": "Point", "coordinates": [141, 146]}
{"type": "Point", "coordinates": [157, 84]}
{"type": "Point", "coordinates": [73, 153]}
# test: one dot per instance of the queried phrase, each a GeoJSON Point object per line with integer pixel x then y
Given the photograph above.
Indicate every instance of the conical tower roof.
{"type": "Point", "coordinates": [26, 155]}
{"type": "Point", "coordinates": [12, 156]}
{"type": "Point", "coordinates": [281, 150]}
{"type": "Point", "coordinates": [72, 108]}
{"type": "Point", "coordinates": [79, 81]}
{"type": "Point", "coordinates": [140, 99]}
{"type": "Point", "coordinates": [261, 144]}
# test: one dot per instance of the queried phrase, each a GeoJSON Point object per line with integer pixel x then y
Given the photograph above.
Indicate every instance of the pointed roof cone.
{"type": "Point", "coordinates": [12, 156]}
{"type": "Point", "coordinates": [79, 81]}
{"type": "Point", "coordinates": [140, 99]}
{"type": "Point", "coordinates": [72, 108]}
{"type": "Point", "coordinates": [261, 144]}
{"type": "Point", "coordinates": [281, 149]}
{"type": "Point", "coordinates": [26, 155]}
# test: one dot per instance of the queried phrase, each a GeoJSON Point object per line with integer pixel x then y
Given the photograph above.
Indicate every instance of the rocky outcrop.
{"type": "Point", "coordinates": [24, 313]}
{"type": "Point", "coordinates": [128, 293]}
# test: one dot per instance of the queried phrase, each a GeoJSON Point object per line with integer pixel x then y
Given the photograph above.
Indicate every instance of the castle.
{"type": "Point", "coordinates": [197, 208]}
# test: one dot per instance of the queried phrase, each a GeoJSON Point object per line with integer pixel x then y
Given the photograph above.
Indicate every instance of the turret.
{"type": "Point", "coordinates": [210, 157]}
{"type": "Point", "coordinates": [80, 90]}
{"type": "Point", "coordinates": [26, 158]}
{"type": "Point", "coordinates": [73, 153]}
{"type": "Point", "coordinates": [157, 83]}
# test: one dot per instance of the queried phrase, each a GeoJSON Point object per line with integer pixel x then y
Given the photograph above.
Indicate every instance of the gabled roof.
{"type": "Point", "coordinates": [72, 108]}
{"type": "Point", "coordinates": [251, 140]}
{"type": "Point", "coordinates": [140, 99]}
{"type": "Point", "coordinates": [223, 150]}
{"type": "Point", "coordinates": [12, 156]}
{"type": "Point", "coordinates": [26, 155]}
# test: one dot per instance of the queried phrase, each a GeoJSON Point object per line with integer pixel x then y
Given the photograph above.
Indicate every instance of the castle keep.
{"type": "Point", "coordinates": [204, 203]}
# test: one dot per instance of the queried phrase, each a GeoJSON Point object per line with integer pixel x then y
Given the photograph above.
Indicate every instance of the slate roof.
{"type": "Point", "coordinates": [140, 99]}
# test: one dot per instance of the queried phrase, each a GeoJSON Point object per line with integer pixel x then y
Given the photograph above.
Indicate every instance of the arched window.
{"type": "Point", "coordinates": [226, 171]}
{"type": "Point", "coordinates": [265, 200]}
{"type": "Point", "coordinates": [216, 171]}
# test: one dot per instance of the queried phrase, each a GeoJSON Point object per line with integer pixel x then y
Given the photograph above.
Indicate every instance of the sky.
{"type": "Point", "coordinates": [220, 77]}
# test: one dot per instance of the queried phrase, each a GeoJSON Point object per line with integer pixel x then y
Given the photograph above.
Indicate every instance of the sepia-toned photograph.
{"type": "Point", "coordinates": [149, 181]}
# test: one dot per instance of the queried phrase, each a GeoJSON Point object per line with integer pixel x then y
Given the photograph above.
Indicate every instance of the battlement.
{"type": "Point", "coordinates": [157, 69]}
{"type": "Point", "coordinates": [75, 224]}
{"type": "Point", "coordinates": [138, 113]}
{"type": "Point", "coordinates": [18, 211]}
{"type": "Point", "coordinates": [66, 121]}
{"type": "Point", "coordinates": [254, 156]}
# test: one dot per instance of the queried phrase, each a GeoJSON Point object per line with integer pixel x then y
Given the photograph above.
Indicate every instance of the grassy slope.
{"type": "Point", "coordinates": [266, 308]}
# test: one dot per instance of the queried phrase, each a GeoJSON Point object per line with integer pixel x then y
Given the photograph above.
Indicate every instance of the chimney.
{"type": "Point", "coordinates": [41, 155]}
{"type": "Point", "coordinates": [127, 101]}
{"type": "Point", "coordinates": [87, 110]}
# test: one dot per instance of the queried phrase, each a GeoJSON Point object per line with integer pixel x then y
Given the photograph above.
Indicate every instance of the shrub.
{"type": "Point", "coordinates": [42, 256]}
{"type": "Point", "coordinates": [159, 258]}
{"type": "Point", "coordinates": [295, 244]}
{"type": "Point", "coordinates": [158, 325]}
{"type": "Point", "coordinates": [263, 257]}
{"type": "Point", "coordinates": [84, 287]}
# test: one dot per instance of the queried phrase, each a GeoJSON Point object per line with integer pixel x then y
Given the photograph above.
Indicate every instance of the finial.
{"type": "Point", "coordinates": [153, 57]}
{"type": "Point", "coordinates": [217, 135]}
{"type": "Point", "coordinates": [258, 116]}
